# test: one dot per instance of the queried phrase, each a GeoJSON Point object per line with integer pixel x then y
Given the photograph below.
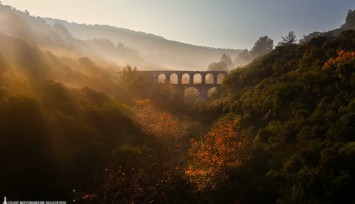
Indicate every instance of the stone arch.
{"type": "Point", "coordinates": [185, 78]}
{"type": "Point", "coordinates": [197, 78]}
{"type": "Point", "coordinates": [191, 95]}
{"type": "Point", "coordinates": [174, 79]}
{"type": "Point", "coordinates": [220, 78]}
{"type": "Point", "coordinates": [211, 91]}
{"type": "Point", "coordinates": [209, 78]}
{"type": "Point", "coordinates": [162, 78]}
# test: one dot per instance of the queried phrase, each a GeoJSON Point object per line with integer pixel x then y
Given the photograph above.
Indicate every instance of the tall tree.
{"type": "Point", "coordinates": [262, 46]}
{"type": "Point", "coordinates": [227, 60]}
{"type": "Point", "coordinates": [224, 64]}
{"type": "Point", "coordinates": [289, 39]}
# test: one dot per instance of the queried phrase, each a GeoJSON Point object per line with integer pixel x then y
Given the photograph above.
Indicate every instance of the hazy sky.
{"type": "Point", "coordinates": [215, 23]}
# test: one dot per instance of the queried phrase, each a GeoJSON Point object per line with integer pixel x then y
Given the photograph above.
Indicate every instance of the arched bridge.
{"type": "Point", "coordinates": [203, 81]}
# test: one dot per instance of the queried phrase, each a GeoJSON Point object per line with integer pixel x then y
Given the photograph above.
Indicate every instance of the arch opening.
{"type": "Point", "coordinates": [162, 79]}
{"type": "Point", "coordinates": [191, 95]}
{"type": "Point", "coordinates": [209, 78]}
{"type": "Point", "coordinates": [185, 79]}
{"type": "Point", "coordinates": [220, 78]}
{"type": "Point", "coordinates": [211, 92]}
{"type": "Point", "coordinates": [174, 79]}
{"type": "Point", "coordinates": [197, 79]}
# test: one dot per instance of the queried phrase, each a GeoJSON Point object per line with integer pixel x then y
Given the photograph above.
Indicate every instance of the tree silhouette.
{"type": "Point", "coordinates": [262, 46]}
{"type": "Point", "coordinates": [223, 65]}
{"type": "Point", "coordinates": [288, 40]}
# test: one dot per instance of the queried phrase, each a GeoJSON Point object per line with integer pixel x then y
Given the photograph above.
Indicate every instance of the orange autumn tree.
{"type": "Point", "coordinates": [160, 124]}
{"type": "Point", "coordinates": [219, 150]}
{"type": "Point", "coordinates": [343, 64]}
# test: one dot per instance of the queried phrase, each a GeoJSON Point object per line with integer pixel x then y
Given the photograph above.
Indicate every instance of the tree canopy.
{"type": "Point", "coordinates": [288, 40]}
{"type": "Point", "coordinates": [224, 64]}
{"type": "Point", "coordinates": [262, 46]}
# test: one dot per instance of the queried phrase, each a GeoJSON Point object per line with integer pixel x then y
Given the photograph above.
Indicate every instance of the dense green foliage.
{"type": "Point", "coordinates": [301, 118]}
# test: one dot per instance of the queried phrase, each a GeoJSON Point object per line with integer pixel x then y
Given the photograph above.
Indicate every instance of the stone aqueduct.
{"type": "Point", "coordinates": [208, 79]}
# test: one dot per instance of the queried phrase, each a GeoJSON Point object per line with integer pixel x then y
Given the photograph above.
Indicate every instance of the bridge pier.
{"type": "Point", "coordinates": [203, 78]}
{"type": "Point", "coordinates": [215, 78]}
{"type": "Point", "coordinates": [167, 78]}
{"type": "Point", "coordinates": [191, 78]}
{"type": "Point", "coordinates": [179, 79]}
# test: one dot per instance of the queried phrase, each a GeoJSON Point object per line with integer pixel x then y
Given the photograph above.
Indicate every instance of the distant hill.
{"type": "Point", "coordinates": [122, 46]}
{"type": "Point", "coordinates": [170, 54]}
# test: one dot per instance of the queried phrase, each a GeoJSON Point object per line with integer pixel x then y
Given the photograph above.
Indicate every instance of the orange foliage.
{"type": "Point", "coordinates": [342, 58]}
{"type": "Point", "coordinates": [218, 151]}
{"type": "Point", "coordinates": [158, 123]}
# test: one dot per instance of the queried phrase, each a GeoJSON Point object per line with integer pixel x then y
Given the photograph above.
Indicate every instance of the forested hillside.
{"type": "Point", "coordinates": [297, 106]}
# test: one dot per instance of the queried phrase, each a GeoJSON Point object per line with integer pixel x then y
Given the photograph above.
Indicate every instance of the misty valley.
{"type": "Point", "coordinates": [99, 114]}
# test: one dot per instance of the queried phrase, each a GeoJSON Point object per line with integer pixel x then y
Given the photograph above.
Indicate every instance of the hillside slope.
{"type": "Point", "coordinates": [297, 106]}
